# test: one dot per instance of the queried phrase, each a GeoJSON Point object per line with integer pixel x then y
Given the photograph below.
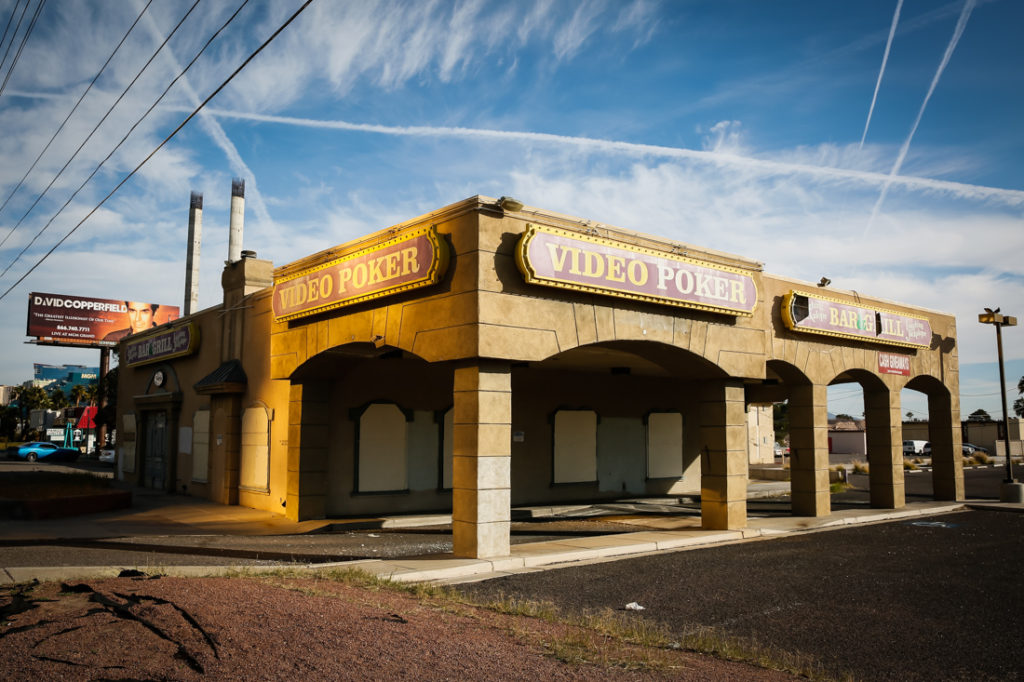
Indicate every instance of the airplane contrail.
{"type": "Point", "coordinates": [885, 59]}
{"type": "Point", "coordinates": [220, 138]}
{"type": "Point", "coordinates": [766, 167]}
{"type": "Point", "coordinates": [958, 31]}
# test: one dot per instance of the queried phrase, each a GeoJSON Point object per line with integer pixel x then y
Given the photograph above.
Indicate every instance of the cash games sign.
{"type": "Point", "coordinates": [408, 261]}
{"type": "Point", "coordinates": [554, 257]}
{"type": "Point", "coordinates": [805, 312]}
{"type": "Point", "coordinates": [66, 320]}
{"type": "Point", "coordinates": [172, 343]}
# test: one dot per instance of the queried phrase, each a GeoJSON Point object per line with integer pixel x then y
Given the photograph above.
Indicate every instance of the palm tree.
{"type": "Point", "coordinates": [58, 400]}
{"type": "Point", "coordinates": [79, 392]}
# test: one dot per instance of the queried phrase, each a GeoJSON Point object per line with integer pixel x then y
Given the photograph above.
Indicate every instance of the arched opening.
{"type": "Point", "coordinates": [614, 420]}
{"type": "Point", "coordinates": [806, 420]}
{"type": "Point", "coordinates": [943, 449]}
{"type": "Point", "coordinates": [882, 434]}
{"type": "Point", "coordinates": [367, 433]}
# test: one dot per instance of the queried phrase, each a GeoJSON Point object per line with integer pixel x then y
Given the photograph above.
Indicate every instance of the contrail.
{"type": "Point", "coordinates": [220, 138]}
{"type": "Point", "coordinates": [885, 58]}
{"type": "Point", "coordinates": [961, 24]}
{"type": "Point", "coordinates": [764, 166]}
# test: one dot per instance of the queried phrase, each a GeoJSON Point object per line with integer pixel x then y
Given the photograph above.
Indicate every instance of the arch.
{"type": "Point", "coordinates": [944, 436]}
{"type": "Point", "coordinates": [643, 358]}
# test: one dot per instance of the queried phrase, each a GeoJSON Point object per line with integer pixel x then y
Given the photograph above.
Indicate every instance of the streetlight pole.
{"type": "Point", "coordinates": [1011, 491]}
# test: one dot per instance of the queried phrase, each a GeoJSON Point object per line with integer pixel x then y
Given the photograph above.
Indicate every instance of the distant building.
{"type": "Point", "coordinates": [63, 377]}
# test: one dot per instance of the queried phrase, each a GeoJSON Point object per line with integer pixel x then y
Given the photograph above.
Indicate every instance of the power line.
{"type": "Point", "coordinates": [14, 10]}
{"type": "Point", "coordinates": [71, 113]}
{"type": "Point", "coordinates": [84, 142]}
{"type": "Point", "coordinates": [16, 29]}
{"type": "Point", "coordinates": [164, 142]}
{"type": "Point", "coordinates": [24, 39]}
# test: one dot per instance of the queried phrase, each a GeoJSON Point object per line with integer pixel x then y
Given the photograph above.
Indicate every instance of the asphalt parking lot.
{"type": "Point", "coordinates": [939, 598]}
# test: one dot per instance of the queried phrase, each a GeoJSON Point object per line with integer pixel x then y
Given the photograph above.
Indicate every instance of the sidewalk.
{"type": "Point", "coordinates": [183, 522]}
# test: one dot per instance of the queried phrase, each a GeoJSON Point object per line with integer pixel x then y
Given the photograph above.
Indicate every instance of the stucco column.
{"type": "Point", "coordinates": [944, 435]}
{"type": "Point", "coordinates": [481, 460]}
{"type": "Point", "coordinates": [723, 459]}
{"type": "Point", "coordinates": [808, 446]}
{"type": "Point", "coordinates": [308, 415]}
{"type": "Point", "coordinates": [885, 447]}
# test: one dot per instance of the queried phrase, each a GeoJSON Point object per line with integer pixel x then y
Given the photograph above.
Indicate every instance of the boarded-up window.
{"type": "Point", "coordinates": [201, 446]}
{"type": "Point", "coordinates": [446, 449]}
{"type": "Point", "coordinates": [664, 445]}
{"type": "Point", "coordinates": [126, 443]}
{"type": "Point", "coordinates": [383, 462]}
{"type": "Point", "coordinates": [575, 446]}
{"type": "Point", "coordinates": [255, 462]}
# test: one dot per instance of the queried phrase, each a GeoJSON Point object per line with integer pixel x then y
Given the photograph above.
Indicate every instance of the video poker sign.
{"type": "Point", "coordinates": [410, 260]}
{"type": "Point", "coordinates": [564, 259]}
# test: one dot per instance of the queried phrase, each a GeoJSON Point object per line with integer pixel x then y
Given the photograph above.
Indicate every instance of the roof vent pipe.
{"type": "Point", "coordinates": [195, 238]}
{"type": "Point", "coordinates": [237, 219]}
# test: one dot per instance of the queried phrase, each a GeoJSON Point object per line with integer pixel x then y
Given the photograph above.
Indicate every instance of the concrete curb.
{"type": "Point", "coordinates": [528, 556]}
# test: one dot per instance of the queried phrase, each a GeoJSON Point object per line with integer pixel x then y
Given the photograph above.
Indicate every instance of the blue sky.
{"type": "Point", "coordinates": [732, 125]}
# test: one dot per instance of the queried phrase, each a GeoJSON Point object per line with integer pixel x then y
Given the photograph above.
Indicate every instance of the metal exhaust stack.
{"type": "Point", "coordinates": [195, 238]}
{"type": "Point", "coordinates": [237, 219]}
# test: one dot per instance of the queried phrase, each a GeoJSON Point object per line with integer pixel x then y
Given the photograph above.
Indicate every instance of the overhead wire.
{"type": "Point", "coordinates": [72, 112]}
{"type": "Point", "coordinates": [15, 34]}
{"type": "Point", "coordinates": [24, 40]}
{"type": "Point", "coordinates": [167, 139]}
{"type": "Point", "coordinates": [84, 142]}
{"type": "Point", "coordinates": [14, 10]}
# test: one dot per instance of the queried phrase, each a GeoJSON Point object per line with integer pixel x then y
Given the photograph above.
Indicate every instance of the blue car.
{"type": "Point", "coordinates": [48, 451]}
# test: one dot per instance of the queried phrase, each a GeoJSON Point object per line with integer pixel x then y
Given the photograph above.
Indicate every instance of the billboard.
{"type": "Point", "coordinates": [97, 322]}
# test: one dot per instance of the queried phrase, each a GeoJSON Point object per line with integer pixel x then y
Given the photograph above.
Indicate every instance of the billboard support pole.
{"type": "Point", "coordinates": [101, 397]}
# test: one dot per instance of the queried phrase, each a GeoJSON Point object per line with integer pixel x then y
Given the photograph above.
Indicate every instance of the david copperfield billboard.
{"type": "Point", "coordinates": [83, 321]}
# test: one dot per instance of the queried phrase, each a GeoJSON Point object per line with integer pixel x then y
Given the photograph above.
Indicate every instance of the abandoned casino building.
{"type": "Point", "coordinates": [488, 355]}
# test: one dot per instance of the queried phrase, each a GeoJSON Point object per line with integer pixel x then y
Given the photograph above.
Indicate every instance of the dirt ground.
{"type": "Point", "coordinates": [163, 628]}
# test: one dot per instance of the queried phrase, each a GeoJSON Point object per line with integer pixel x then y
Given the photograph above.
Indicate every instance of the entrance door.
{"type": "Point", "coordinates": [154, 462]}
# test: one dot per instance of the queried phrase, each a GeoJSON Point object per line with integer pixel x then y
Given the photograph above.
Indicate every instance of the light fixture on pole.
{"type": "Point", "coordinates": [1011, 490]}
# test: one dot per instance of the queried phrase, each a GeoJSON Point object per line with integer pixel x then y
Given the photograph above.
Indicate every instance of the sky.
{"type": "Point", "coordinates": [879, 144]}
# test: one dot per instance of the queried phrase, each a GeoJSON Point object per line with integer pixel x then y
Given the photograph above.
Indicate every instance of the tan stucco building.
{"type": "Point", "coordinates": [488, 355]}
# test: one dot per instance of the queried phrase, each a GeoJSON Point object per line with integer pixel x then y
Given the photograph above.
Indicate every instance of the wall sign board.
{"type": "Point", "coordinates": [410, 260]}
{"type": "Point", "coordinates": [164, 345]}
{"type": "Point", "coordinates": [554, 257]}
{"type": "Point", "coordinates": [815, 314]}
{"type": "Point", "coordinates": [894, 363]}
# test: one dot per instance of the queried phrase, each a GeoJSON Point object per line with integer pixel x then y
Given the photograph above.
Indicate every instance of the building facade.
{"type": "Point", "coordinates": [488, 355]}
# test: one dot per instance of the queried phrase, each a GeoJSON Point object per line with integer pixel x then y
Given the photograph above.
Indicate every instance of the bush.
{"type": "Point", "coordinates": [860, 467]}
{"type": "Point", "coordinates": [909, 464]}
{"type": "Point", "coordinates": [981, 458]}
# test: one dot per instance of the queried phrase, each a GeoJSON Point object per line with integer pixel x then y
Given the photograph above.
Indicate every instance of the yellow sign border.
{"type": "Point", "coordinates": [787, 319]}
{"type": "Point", "coordinates": [193, 344]}
{"type": "Point", "coordinates": [531, 277]}
{"type": "Point", "coordinates": [437, 269]}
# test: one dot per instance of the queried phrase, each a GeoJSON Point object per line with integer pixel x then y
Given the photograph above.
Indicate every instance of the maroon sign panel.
{"type": "Point", "coordinates": [411, 260]}
{"type": "Point", "coordinates": [98, 322]}
{"type": "Point", "coordinates": [559, 258]}
{"type": "Point", "coordinates": [894, 363]}
{"type": "Point", "coordinates": [806, 312]}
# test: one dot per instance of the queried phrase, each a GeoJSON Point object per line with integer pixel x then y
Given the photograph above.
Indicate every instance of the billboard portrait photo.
{"type": "Point", "coordinates": [99, 322]}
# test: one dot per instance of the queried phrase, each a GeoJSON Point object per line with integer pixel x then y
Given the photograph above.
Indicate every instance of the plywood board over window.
{"type": "Point", "coordinates": [383, 462]}
{"type": "Point", "coordinates": [664, 445]}
{"type": "Point", "coordinates": [254, 467]}
{"type": "Point", "coordinates": [201, 446]}
{"type": "Point", "coordinates": [575, 447]}
{"type": "Point", "coordinates": [126, 443]}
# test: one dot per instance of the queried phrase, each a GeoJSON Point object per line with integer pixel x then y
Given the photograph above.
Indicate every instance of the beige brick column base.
{"type": "Point", "coordinates": [885, 448]}
{"type": "Point", "coordinates": [481, 460]}
{"type": "Point", "coordinates": [723, 460]}
{"type": "Point", "coordinates": [947, 461]}
{"type": "Point", "coordinates": [308, 414]}
{"type": "Point", "coordinates": [808, 441]}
